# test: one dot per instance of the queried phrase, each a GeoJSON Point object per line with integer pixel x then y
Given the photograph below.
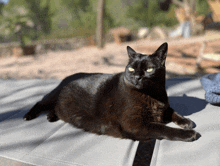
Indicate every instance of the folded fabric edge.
{"type": "Point", "coordinates": [210, 80]}
{"type": "Point", "coordinates": [212, 98]}
{"type": "Point", "coordinates": [16, 162]}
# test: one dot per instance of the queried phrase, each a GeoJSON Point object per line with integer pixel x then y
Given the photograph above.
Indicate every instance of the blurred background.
{"type": "Point", "coordinates": [51, 39]}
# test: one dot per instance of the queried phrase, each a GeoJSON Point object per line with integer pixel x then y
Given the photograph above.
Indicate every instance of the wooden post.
{"type": "Point", "coordinates": [199, 58]}
{"type": "Point", "coordinates": [99, 24]}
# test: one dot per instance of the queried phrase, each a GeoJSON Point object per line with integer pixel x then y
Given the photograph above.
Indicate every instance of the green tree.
{"type": "Point", "coordinates": [77, 7]}
{"type": "Point", "coordinates": [16, 21]}
{"type": "Point", "coordinates": [202, 7]}
{"type": "Point", "coordinates": [83, 22]}
{"type": "Point", "coordinates": [148, 13]}
{"type": "Point", "coordinates": [40, 13]}
{"type": "Point", "coordinates": [36, 11]}
{"type": "Point", "coordinates": [1, 6]}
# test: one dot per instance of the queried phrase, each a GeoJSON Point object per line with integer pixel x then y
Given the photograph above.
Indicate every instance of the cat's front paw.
{"type": "Point", "coordinates": [52, 117]}
{"type": "Point", "coordinates": [186, 123]}
{"type": "Point", "coordinates": [33, 113]}
{"type": "Point", "coordinates": [190, 136]}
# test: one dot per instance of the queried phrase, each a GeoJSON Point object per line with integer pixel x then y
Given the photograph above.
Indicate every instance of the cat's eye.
{"type": "Point", "coordinates": [130, 69]}
{"type": "Point", "coordinates": [150, 70]}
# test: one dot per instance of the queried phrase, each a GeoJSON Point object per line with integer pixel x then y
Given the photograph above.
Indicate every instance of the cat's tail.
{"type": "Point", "coordinates": [36, 110]}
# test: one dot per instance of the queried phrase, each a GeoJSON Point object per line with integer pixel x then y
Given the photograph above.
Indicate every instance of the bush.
{"type": "Point", "coordinates": [149, 14]}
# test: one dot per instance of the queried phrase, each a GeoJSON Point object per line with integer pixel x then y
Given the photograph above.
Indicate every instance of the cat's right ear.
{"type": "Point", "coordinates": [161, 52]}
{"type": "Point", "coordinates": [131, 52]}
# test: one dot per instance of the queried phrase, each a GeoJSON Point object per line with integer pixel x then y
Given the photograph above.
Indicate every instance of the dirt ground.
{"type": "Point", "coordinates": [113, 58]}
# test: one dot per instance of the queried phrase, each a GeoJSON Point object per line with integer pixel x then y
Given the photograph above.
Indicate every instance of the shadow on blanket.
{"type": "Point", "coordinates": [186, 105]}
{"type": "Point", "coordinates": [15, 114]}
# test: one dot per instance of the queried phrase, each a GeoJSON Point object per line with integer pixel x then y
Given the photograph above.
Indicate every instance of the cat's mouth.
{"type": "Point", "coordinates": [138, 84]}
{"type": "Point", "coordinates": [134, 83]}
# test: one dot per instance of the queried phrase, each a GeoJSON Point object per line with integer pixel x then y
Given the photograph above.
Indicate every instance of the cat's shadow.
{"type": "Point", "coordinates": [186, 105]}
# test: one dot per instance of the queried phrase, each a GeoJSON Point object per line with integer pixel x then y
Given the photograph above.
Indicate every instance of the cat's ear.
{"type": "Point", "coordinates": [131, 52]}
{"type": "Point", "coordinates": [161, 52]}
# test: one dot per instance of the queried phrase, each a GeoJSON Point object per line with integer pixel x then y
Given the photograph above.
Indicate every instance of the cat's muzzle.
{"type": "Point", "coordinates": [136, 83]}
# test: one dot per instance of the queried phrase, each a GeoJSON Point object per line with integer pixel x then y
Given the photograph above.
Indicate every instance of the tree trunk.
{"type": "Point", "coordinates": [190, 9]}
{"type": "Point", "coordinates": [99, 23]}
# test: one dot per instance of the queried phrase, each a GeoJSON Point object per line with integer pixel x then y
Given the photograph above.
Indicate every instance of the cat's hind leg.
{"type": "Point", "coordinates": [52, 117]}
{"type": "Point", "coordinates": [37, 109]}
{"type": "Point", "coordinates": [34, 112]}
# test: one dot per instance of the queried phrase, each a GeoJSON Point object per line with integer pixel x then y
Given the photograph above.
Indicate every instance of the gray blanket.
{"type": "Point", "coordinates": [39, 142]}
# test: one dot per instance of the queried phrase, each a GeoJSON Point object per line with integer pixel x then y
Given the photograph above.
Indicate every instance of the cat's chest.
{"type": "Point", "coordinates": [151, 109]}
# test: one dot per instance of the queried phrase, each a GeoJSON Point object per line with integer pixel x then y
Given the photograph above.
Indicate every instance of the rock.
{"type": "Point", "coordinates": [157, 33]}
{"type": "Point", "coordinates": [120, 34]}
{"type": "Point", "coordinates": [17, 51]}
{"type": "Point", "coordinates": [143, 32]}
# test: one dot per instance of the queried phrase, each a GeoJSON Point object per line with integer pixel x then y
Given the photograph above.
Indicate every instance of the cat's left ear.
{"type": "Point", "coordinates": [131, 52]}
{"type": "Point", "coordinates": [161, 52]}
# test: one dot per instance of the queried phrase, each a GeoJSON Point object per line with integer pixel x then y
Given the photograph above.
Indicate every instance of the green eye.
{"type": "Point", "coordinates": [150, 70]}
{"type": "Point", "coordinates": [130, 69]}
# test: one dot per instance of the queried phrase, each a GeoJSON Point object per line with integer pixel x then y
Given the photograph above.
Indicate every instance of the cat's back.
{"type": "Point", "coordinates": [89, 82]}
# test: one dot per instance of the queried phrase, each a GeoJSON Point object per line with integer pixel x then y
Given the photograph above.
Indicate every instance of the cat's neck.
{"type": "Point", "coordinates": [155, 90]}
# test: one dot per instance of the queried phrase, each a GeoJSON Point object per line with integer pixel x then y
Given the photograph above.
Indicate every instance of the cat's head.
{"type": "Point", "coordinates": [143, 69]}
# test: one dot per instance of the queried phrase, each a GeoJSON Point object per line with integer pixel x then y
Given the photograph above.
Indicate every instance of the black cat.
{"type": "Point", "coordinates": [132, 104]}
